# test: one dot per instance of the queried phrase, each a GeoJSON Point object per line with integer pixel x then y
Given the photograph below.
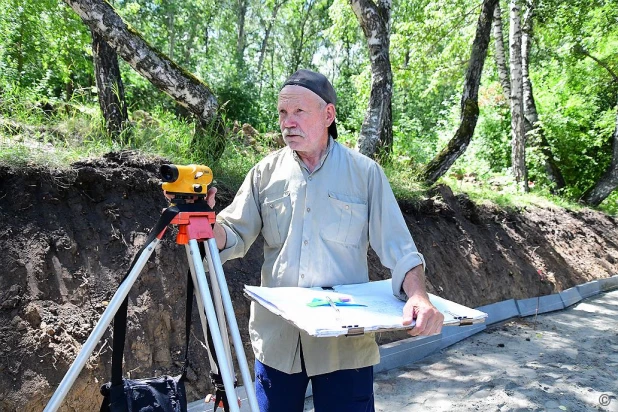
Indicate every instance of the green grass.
{"type": "Point", "coordinates": [502, 192]}
{"type": "Point", "coordinates": [28, 137]}
{"type": "Point", "coordinates": [405, 182]}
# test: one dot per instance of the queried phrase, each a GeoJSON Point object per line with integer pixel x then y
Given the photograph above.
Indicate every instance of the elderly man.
{"type": "Point", "coordinates": [319, 205]}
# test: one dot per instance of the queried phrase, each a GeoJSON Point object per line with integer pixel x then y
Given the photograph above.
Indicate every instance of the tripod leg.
{"type": "Point", "coordinates": [200, 306]}
{"type": "Point", "coordinates": [94, 338]}
{"type": "Point", "coordinates": [202, 285]}
{"type": "Point", "coordinates": [216, 293]}
{"type": "Point", "coordinates": [212, 254]}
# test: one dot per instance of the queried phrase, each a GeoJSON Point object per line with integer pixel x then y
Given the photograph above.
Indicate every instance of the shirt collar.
{"type": "Point", "coordinates": [331, 143]}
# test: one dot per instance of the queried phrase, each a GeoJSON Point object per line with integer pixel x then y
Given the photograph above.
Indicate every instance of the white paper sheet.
{"type": "Point", "coordinates": [382, 312]}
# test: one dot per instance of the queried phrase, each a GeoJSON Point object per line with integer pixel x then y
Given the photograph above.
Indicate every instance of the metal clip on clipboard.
{"type": "Point", "coordinates": [463, 320]}
{"type": "Point", "coordinates": [353, 330]}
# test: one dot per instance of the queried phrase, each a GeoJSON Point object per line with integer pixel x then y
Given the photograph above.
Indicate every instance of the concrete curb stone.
{"type": "Point", "coordinates": [608, 284]}
{"type": "Point", "coordinates": [500, 311]}
{"type": "Point", "coordinates": [570, 296]}
{"type": "Point", "coordinates": [589, 289]}
{"type": "Point", "coordinates": [541, 304]}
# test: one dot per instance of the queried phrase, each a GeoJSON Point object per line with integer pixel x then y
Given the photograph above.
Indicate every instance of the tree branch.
{"type": "Point", "coordinates": [579, 49]}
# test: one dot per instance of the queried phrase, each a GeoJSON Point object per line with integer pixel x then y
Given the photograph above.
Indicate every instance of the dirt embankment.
{"type": "Point", "coordinates": [66, 239]}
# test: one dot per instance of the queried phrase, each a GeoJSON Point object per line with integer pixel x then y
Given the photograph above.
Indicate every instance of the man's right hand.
{"type": "Point", "coordinates": [210, 197]}
{"type": "Point", "coordinates": [220, 235]}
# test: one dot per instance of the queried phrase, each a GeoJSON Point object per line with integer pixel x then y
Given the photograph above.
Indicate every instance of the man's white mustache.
{"type": "Point", "coordinates": [287, 132]}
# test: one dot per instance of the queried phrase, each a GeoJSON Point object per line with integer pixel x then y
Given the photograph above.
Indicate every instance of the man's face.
{"type": "Point", "coordinates": [304, 119]}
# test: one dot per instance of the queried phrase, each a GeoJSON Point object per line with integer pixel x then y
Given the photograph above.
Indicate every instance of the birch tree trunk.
{"type": "Point", "coordinates": [109, 86]}
{"type": "Point", "coordinates": [518, 147]}
{"type": "Point", "coordinates": [163, 73]}
{"type": "Point", "coordinates": [531, 116]}
{"type": "Point", "coordinates": [500, 55]}
{"type": "Point", "coordinates": [377, 130]}
{"type": "Point", "coordinates": [609, 181]}
{"type": "Point", "coordinates": [469, 99]}
{"type": "Point", "coordinates": [267, 32]}
{"type": "Point", "coordinates": [529, 105]}
{"type": "Point", "coordinates": [241, 37]}
{"type": "Point", "coordinates": [171, 33]}
{"type": "Point", "coordinates": [299, 44]}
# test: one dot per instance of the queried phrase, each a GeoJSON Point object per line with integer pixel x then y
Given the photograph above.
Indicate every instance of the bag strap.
{"type": "Point", "coordinates": [120, 319]}
{"type": "Point", "coordinates": [188, 315]}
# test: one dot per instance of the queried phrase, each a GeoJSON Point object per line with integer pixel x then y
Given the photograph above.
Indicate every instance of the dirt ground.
{"type": "Point", "coordinates": [67, 238]}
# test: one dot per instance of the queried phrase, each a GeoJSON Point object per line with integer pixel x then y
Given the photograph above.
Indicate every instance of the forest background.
{"type": "Point", "coordinates": [404, 73]}
{"type": "Point", "coordinates": [512, 102]}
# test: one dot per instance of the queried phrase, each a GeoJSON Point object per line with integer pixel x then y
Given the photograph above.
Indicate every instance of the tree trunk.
{"type": "Point", "coordinates": [19, 46]}
{"type": "Point", "coordinates": [529, 105]}
{"type": "Point", "coordinates": [609, 181]}
{"type": "Point", "coordinates": [531, 117]}
{"type": "Point", "coordinates": [518, 147]}
{"type": "Point", "coordinates": [297, 53]}
{"type": "Point", "coordinates": [240, 40]}
{"type": "Point", "coordinates": [469, 99]}
{"type": "Point", "coordinates": [187, 46]}
{"type": "Point", "coordinates": [269, 28]}
{"type": "Point", "coordinates": [377, 129]}
{"type": "Point", "coordinates": [163, 73]}
{"type": "Point", "coordinates": [171, 33]}
{"type": "Point", "coordinates": [503, 70]}
{"type": "Point", "coordinates": [69, 87]}
{"type": "Point", "coordinates": [109, 86]}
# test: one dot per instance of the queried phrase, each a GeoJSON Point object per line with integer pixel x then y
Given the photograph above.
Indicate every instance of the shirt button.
{"type": "Point", "coordinates": [347, 207]}
{"type": "Point", "coordinates": [308, 209]}
{"type": "Point", "coordinates": [306, 242]}
{"type": "Point", "coordinates": [310, 178]}
{"type": "Point", "coordinates": [302, 276]}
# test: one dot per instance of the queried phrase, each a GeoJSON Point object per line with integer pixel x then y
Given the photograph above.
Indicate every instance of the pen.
{"type": "Point", "coordinates": [332, 305]}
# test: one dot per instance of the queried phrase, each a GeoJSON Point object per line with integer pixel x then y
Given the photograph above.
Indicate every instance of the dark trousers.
{"type": "Point", "coordinates": [348, 390]}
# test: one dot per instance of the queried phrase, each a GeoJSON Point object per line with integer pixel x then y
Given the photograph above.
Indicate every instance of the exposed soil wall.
{"type": "Point", "coordinates": [67, 238]}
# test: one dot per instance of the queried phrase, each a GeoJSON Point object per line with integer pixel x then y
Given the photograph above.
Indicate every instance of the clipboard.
{"type": "Point", "coordinates": [375, 309]}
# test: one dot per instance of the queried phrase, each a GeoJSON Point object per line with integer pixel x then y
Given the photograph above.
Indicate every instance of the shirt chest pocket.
{"type": "Point", "coordinates": [276, 215]}
{"type": "Point", "coordinates": [345, 220]}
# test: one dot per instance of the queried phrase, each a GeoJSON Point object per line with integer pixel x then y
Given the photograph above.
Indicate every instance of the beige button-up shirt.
{"type": "Point", "coordinates": [317, 228]}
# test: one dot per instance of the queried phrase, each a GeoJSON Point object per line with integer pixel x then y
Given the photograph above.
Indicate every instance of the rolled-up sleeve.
{"type": "Point", "coordinates": [389, 236]}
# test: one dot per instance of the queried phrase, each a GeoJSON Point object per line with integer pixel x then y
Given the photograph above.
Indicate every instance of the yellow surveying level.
{"type": "Point", "coordinates": [190, 179]}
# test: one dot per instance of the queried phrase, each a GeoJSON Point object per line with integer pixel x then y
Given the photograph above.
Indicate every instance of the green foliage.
{"type": "Point", "coordinates": [430, 47]}
{"type": "Point", "coordinates": [240, 100]}
{"type": "Point", "coordinates": [404, 178]}
{"type": "Point", "coordinates": [576, 96]}
{"type": "Point", "coordinates": [610, 204]}
{"type": "Point", "coordinates": [45, 48]}
{"type": "Point", "coordinates": [489, 152]}
{"type": "Point", "coordinates": [46, 61]}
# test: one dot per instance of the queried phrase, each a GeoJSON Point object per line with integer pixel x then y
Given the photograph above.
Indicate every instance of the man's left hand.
{"type": "Point", "coordinates": [429, 320]}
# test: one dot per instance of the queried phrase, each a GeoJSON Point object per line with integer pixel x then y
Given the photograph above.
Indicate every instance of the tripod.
{"type": "Point", "coordinates": [193, 226]}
